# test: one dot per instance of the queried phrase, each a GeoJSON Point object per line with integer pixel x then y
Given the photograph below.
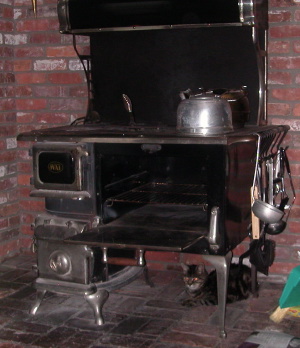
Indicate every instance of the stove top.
{"type": "Point", "coordinates": [100, 133]}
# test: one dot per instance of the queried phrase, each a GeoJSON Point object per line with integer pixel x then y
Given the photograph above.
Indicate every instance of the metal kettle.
{"type": "Point", "coordinates": [205, 113]}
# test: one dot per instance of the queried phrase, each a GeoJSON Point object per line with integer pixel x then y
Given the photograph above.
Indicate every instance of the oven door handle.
{"type": "Point", "coordinates": [124, 261]}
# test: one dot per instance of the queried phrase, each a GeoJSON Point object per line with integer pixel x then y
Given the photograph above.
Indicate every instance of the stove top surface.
{"type": "Point", "coordinates": [139, 133]}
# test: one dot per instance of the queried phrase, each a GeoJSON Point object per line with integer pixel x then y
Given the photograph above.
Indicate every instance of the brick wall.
{"type": "Point", "coordinates": [42, 85]}
{"type": "Point", "coordinates": [284, 108]}
{"type": "Point", "coordinates": [9, 209]}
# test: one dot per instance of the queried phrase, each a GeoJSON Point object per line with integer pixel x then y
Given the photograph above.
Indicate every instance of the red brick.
{"type": "Point", "coordinates": [14, 220]}
{"type": "Point", "coordinates": [26, 78]}
{"type": "Point", "coordinates": [22, 65]}
{"type": "Point", "coordinates": [78, 91]}
{"type": "Point", "coordinates": [7, 104]}
{"type": "Point", "coordinates": [7, 77]}
{"type": "Point", "coordinates": [187, 338]}
{"type": "Point", "coordinates": [50, 91]}
{"type": "Point", "coordinates": [66, 78]}
{"type": "Point", "coordinates": [7, 12]}
{"type": "Point", "coordinates": [288, 94]}
{"type": "Point", "coordinates": [31, 205]}
{"type": "Point", "coordinates": [6, 25]}
{"type": "Point", "coordinates": [285, 31]}
{"type": "Point", "coordinates": [296, 110]}
{"type": "Point", "coordinates": [7, 156]}
{"type": "Point", "coordinates": [294, 226]}
{"type": "Point", "coordinates": [20, 13]}
{"type": "Point", "coordinates": [279, 47]}
{"type": "Point", "coordinates": [7, 91]}
{"type": "Point", "coordinates": [15, 39]}
{"type": "Point", "coordinates": [284, 62]}
{"type": "Point", "coordinates": [7, 117]}
{"type": "Point", "coordinates": [277, 16]}
{"type": "Point", "coordinates": [61, 51]}
{"type": "Point", "coordinates": [9, 248]}
{"type": "Point", "coordinates": [50, 64]}
{"type": "Point", "coordinates": [24, 192]}
{"type": "Point", "coordinates": [53, 118]}
{"type": "Point", "coordinates": [23, 91]}
{"type": "Point", "coordinates": [6, 52]}
{"type": "Point", "coordinates": [25, 117]}
{"type": "Point", "coordinates": [9, 130]}
{"type": "Point", "coordinates": [283, 253]}
{"type": "Point", "coordinates": [156, 266]}
{"type": "Point", "coordinates": [25, 245]}
{"type": "Point", "coordinates": [9, 209]}
{"type": "Point", "coordinates": [293, 154]}
{"type": "Point", "coordinates": [3, 223]}
{"type": "Point", "coordinates": [295, 212]}
{"type": "Point", "coordinates": [191, 259]}
{"type": "Point", "coordinates": [279, 78]}
{"type": "Point", "coordinates": [282, 267]}
{"type": "Point", "coordinates": [241, 248]}
{"type": "Point", "coordinates": [31, 104]}
{"type": "Point", "coordinates": [296, 46]}
{"type": "Point", "coordinates": [38, 24]}
{"type": "Point", "coordinates": [27, 230]}
{"type": "Point", "coordinates": [25, 52]}
{"type": "Point", "coordinates": [279, 109]}
{"type": "Point", "coordinates": [47, 11]}
{"type": "Point", "coordinates": [67, 104]}
{"type": "Point", "coordinates": [45, 38]}
{"type": "Point", "coordinates": [28, 218]}
{"type": "Point", "coordinates": [162, 256]}
{"type": "Point", "coordinates": [24, 179]}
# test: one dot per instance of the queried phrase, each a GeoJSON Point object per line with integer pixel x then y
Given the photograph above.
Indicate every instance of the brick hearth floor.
{"type": "Point", "coordinates": [137, 316]}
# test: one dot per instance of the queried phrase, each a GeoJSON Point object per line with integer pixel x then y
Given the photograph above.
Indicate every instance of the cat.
{"type": "Point", "coordinates": [202, 287]}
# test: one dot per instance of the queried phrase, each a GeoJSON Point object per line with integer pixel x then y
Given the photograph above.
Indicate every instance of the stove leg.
{"type": "Point", "coordinates": [222, 265]}
{"type": "Point", "coordinates": [96, 301]}
{"type": "Point", "coordinates": [40, 294]}
{"type": "Point", "coordinates": [147, 278]}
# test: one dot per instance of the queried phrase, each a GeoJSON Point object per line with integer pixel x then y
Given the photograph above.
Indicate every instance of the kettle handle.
{"type": "Point", "coordinates": [185, 94]}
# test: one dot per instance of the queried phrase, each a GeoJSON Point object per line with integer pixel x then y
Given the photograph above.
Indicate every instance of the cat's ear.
{"type": "Point", "coordinates": [185, 268]}
{"type": "Point", "coordinates": [201, 268]}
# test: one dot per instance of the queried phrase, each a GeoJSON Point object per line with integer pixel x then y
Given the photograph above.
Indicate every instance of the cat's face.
{"type": "Point", "coordinates": [194, 277]}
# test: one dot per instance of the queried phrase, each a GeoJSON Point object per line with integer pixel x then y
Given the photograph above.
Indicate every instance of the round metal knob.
{"type": "Point", "coordinates": [60, 262]}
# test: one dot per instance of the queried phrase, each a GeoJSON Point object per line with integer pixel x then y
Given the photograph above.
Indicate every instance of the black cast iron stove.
{"type": "Point", "coordinates": [124, 179]}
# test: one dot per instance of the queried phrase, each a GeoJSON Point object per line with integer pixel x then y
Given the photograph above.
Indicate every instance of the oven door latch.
{"type": "Point", "coordinates": [214, 235]}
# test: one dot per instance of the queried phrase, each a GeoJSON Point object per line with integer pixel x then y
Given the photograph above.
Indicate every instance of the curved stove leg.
{"type": "Point", "coordinates": [147, 278]}
{"type": "Point", "coordinates": [96, 301]}
{"type": "Point", "coordinates": [222, 265]}
{"type": "Point", "coordinates": [40, 294]}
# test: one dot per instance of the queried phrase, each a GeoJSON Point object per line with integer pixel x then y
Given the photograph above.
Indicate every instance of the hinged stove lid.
{"type": "Point", "coordinates": [79, 16]}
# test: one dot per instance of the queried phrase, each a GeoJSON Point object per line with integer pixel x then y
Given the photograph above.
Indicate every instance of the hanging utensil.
{"type": "Point", "coordinates": [264, 211]}
{"type": "Point", "coordinates": [278, 227]}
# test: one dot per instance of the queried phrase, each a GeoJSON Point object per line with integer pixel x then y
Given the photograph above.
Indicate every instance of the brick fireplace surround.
{"type": "Point", "coordinates": [42, 84]}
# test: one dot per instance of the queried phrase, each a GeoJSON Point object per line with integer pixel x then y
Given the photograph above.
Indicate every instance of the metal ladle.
{"type": "Point", "coordinates": [278, 227]}
{"type": "Point", "coordinates": [266, 212]}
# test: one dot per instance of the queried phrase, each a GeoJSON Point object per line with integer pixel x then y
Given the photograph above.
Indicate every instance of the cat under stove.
{"type": "Point", "coordinates": [201, 286]}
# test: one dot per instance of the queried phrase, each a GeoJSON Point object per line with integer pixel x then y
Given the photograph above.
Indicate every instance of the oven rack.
{"type": "Point", "coordinates": [164, 193]}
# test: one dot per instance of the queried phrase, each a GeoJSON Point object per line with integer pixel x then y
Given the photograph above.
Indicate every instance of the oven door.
{"type": "Point", "coordinates": [60, 170]}
{"type": "Point", "coordinates": [158, 197]}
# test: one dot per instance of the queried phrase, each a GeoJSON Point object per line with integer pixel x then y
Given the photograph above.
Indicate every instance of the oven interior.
{"type": "Point", "coordinates": [156, 197]}
{"type": "Point", "coordinates": [134, 175]}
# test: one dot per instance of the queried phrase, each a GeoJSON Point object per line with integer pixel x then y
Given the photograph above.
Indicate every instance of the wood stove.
{"type": "Point", "coordinates": [123, 180]}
